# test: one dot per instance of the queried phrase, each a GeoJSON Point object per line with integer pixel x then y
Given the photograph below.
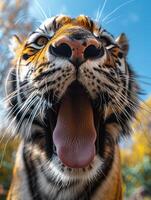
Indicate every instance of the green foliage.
{"type": "Point", "coordinates": [136, 159]}
{"type": "Point", "coordinates": [137, 176]}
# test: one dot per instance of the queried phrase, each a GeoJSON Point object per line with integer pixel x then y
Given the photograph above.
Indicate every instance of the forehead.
{"type": "Point", "coordinates": [56, 22]}
{"type": "Point", "coordinates": [62, 24]}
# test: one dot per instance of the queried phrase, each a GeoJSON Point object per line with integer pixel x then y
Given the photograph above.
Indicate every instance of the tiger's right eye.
{"type": "Point", "coordinates": [41, 41]}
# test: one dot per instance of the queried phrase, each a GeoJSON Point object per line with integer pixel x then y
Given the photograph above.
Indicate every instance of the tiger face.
{"type": "Point", "coordinates": [75, 95]}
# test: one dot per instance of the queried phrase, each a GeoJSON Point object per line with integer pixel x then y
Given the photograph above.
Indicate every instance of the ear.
{"type": "Point", "coordinates": [15, 44]}
{"type": "Point", "coordinates": [123, 43]}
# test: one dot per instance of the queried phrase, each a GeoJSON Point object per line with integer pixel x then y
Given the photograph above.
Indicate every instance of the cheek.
{"type": "Point", "coordinates": [23, 72]}
{"type": "Point", "coordinates": [53, 76]}
{"type": "Point", "coordinates": [122, 66]}
{"type": "Point", "coordinates": [89, 80]}
{"type": "Point", "coordinates": [91, 76]}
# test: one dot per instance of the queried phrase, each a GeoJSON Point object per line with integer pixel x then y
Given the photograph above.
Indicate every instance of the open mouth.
{"type": "Point", "coordinates": [74, 132]}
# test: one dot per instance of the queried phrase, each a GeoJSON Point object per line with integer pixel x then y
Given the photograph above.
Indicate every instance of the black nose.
{"type": "Point", "coordinates": [92, 52]}
{"type": "Point", "coordinates": [77, 50]}
{"type": "Point", "coordinates": [63, 50]}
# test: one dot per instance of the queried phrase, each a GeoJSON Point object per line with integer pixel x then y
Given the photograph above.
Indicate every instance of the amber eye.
{"type": "Point", "coordinates": [41, 41]}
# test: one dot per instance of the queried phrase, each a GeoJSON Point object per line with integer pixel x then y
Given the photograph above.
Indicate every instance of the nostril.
{"type": "Point", "coordinates": [92, 52]}
{"type": "Point", "coordinates": [63, 50]}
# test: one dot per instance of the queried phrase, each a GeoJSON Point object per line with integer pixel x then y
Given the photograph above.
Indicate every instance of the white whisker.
{"type": "Point", "coordinates": [101, 11]}
{"type": "Point", "coordinates": [116, 9]}
{"type": "Point", "coordinates": [111, 20]}
{"type": "Point", "coordinates": [26, 108]}
{"type": "Point", "coordinates": [15, 93]}
{"type": "Point", "coordinates": [13, 119]}
{"type": "Point", "coordinates": [41, 9]}
{"type": "Point", "coordinates": [32, 116]}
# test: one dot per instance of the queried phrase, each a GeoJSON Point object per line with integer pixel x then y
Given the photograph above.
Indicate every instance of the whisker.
{"type": "Point", "coordinates": [101, 11]}
{"type": "Point", "coordinates": [97, 14]}
{"type": "Point", "coordinates": [31, 117]}
{"type": "Point", "coordinates": [116, 9]}
{"type": "Point", "coordinates": [20, 19]}
{"type": "Point", "coordinates": [9, 114]}
{"type": "Point", "coordinates": [14, 94]}
{"type": "Point", "coordinates": [32, 101]}
{"type": "Point", "coordinates": [134, 105]}
{"type": "Point", "coordinates": [111, 20]}
{"type": "Point", "coordinates": [143, 76]}
{"type": "Point", "coordinates": [41, 10]}
{"type": "Point", "coordinates": [13, 120]}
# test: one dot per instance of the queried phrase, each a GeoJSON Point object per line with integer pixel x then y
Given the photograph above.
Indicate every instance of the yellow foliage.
{"type": "Point", "coordinates": [7, 156]}
{"type": "Point", "coordinates": [141, 138]}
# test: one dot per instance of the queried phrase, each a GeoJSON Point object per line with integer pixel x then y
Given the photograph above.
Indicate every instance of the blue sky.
{"type": "Point", "coordinates": [134, 19]}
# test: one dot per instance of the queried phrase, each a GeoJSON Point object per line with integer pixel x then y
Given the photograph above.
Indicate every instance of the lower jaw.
{"type": "Point", "coordinates": [68, 173]}
{"type": "Point", "coordinates": [90, 165]}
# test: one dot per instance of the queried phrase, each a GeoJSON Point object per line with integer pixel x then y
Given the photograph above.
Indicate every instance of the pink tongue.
{"type": "Point", "coordinates": [74, 135]}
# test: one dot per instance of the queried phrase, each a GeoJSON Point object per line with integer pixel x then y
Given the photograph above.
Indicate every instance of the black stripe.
{"type": "Point", "coordinates": [48, 83]}
{"type": "Point", "coordinates": [33, 33]}
{"type": "Point", "coordinates": [112, 119]}
{"type": "Point", "coordinates": [46, 29]}
{"type": "Point", "coordinates": [43, 64]}
{"type": "Point", "coordinates": [41, 30]}
{"type": "Point", "coordinates": [92, 24]}
{"type": "Point", "coordinates": [31, 175]}
{"type": "Point", "coordinates": [48, 137]}
{"type": "Point", "coordinates": [118, 62]}
{"type": "Point", "coordinates": [55, 23]}
{"type": "Point", "coordinates": [48, 72]}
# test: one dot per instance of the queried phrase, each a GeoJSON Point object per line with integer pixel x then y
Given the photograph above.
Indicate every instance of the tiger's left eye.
{"type": "Point", "coordinates": [41, 41]}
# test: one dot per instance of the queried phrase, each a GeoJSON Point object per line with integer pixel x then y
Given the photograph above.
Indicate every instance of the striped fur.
{"type": "Point", "coordinates": [38, 82]}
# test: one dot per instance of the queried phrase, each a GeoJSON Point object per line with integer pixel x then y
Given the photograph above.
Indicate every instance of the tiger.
{"type": "Point", "coordinates": [72, 96]}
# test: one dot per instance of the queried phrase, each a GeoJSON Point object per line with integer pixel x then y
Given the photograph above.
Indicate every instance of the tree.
{"type": "Point", "coordinates": [14, 19]}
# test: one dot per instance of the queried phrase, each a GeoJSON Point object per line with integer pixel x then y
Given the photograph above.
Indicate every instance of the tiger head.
{"type": "Point", "coordinates": [75, 92]}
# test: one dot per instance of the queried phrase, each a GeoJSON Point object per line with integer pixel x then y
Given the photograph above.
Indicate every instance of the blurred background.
{"type": "Point", "coordinates": [132, 17]}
